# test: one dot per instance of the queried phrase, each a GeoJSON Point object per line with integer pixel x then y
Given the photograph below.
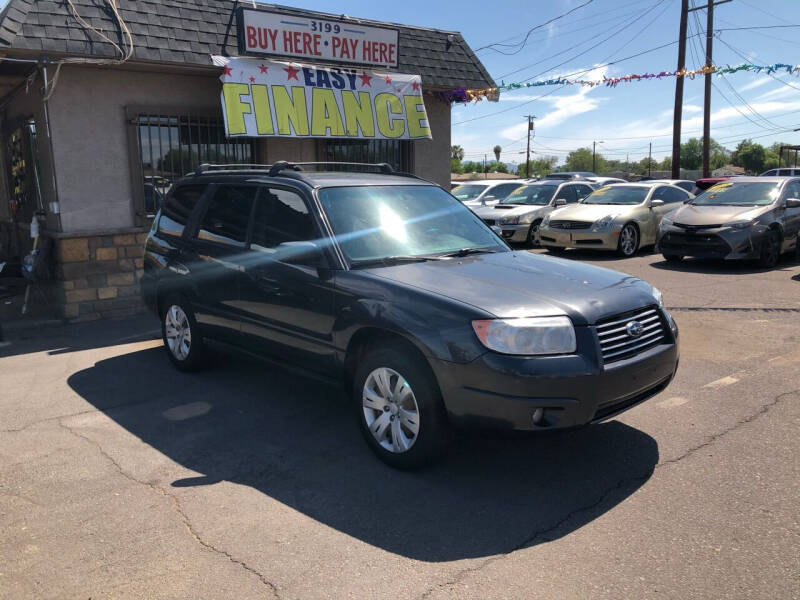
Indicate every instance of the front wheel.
{"type": "Point", "coordinates": [399, 408]}
{"type": "Point", "coordinates": [181, 335]}
{"type": "Point", "coordinates": [628, 240]}
{"type": "Point", "coordinates": [533, 234]}
{"type": "Point", "coordinates": [770, 250]}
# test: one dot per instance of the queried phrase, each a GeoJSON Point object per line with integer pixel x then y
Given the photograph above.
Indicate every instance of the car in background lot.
{"type": "Point", "coordinates": [601, 181]}
{"type": "Point", "coordinates": [621, 217]}
{"type": "Point", "coordinates": [517, 217]}
{"type": "Point", "coordinates": [685, 184]}
{"type": "Point", "coordinates": [744, 218]}
{"type": "Point", "coordinates": [387, 283]}
{"type": "Point", "coordinates": [704, 183]}
{"type": "Point", "coordinates": [571, 175]}
{"type": "Point", "coordinates": [786, 172]}
{"type": "Point", "coordinates": [482, 193]}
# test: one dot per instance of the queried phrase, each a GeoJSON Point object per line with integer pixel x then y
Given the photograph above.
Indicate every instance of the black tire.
{"type": "Point", "coordinates": [673, 258]}
{"type": "Point", "coordinates": [624, 250]}
{"type": "Point", "coordinates": [770, 250]}
{"type": "Point", "coordinates": [193, 357]}
{"type": "Point", "coordinates": [534, 228]}
{"type": "Point", "coordinates": [433, 433]}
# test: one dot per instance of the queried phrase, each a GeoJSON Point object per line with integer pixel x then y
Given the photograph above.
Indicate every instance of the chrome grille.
{"type": "Point", "coordinates": [617, 344]}
{"type": "Point", "coordinates": [570, 224]}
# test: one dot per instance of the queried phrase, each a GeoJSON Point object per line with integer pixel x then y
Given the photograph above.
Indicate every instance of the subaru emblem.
{"type": "Point", "coordinates": [634, 329]}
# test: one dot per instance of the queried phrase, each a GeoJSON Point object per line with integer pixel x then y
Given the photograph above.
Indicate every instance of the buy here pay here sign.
{"type": "Point", "coordinates": [276, 34]}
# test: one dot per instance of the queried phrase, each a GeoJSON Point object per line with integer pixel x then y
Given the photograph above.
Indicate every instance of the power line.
{"type": "Point", "coordinates": [524, 41]}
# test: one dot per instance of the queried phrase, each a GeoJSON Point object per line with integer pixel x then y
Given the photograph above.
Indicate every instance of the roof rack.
{"type": "Point", "coordinates": [292, 169]}
{"type": "Point", "coordinates": [279, 166]}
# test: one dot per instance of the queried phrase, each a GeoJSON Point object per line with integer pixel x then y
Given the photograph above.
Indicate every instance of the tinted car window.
{"type": "Point", "coordinates": [280, 216]}
{"type": "Point", "coordinates": [503, 190]}
{"type": "Point", "coordinates": [567, 193]}
{"type": "Point", "coordinates": [672, 195]}
{"type": "Point", "coordinates": [228, 215]}
{"type": "Point", "coordinates": [686, 185]}
{"type": "Point", "coordinates": [770, 173]}
{"type": "Point", "coordinates": [582, 191]}
{"type": "Point", "coordinates": [176, 210]}
{"type": "Point", "coordinates": [784, 172]}
{"type": "Point", "coordinates": [792, 190]}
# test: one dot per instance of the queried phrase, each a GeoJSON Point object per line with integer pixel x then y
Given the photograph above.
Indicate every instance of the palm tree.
{"type": "Point", "coordinates": [457, 152]}
{"type": "Point", "coordinates": [497, 150]}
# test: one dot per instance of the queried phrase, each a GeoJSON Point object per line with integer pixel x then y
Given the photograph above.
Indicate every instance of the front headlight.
{"type": "Point", "coordinates": [510, 220]}
{"type": "Point", "coordinates": [529, 335]}
{"type": "Point", "coordinates": [657, 295]}
{"type": "Point", "coordinates": [603, 223]}
{"type": "Point", "coordinates": [741, 224]}
{"type": "Point", "coordinates": [545, 222]}
{"type": "Point", "coordinates": [666, 221]}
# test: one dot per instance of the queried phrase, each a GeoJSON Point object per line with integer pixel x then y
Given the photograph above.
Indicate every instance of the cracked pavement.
{"type": "Point", "coordinates": [122, 478]}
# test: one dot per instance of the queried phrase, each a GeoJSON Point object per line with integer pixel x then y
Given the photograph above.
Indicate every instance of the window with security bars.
{"type": "Point", "coordinates": [170, 146]}
{"type": "Point", "coordinates": [395, 152]}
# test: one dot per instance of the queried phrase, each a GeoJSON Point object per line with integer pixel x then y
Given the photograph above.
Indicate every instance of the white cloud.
{"type": "Point", "coordinates": [754, 84]}
{"type": "Point", "coordinates": [779, 92]}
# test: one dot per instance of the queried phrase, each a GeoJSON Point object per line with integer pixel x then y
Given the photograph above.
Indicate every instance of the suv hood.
{"type": "Point", "coordinates": [592, 212]}
{"type": "Point", "coordinates": [689, 214]}
{"type": "Point", "coordinates": [521, 284]}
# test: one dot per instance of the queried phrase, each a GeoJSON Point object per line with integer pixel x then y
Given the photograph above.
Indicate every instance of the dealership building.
{"type": "Point", "coordinates": [103, 106]}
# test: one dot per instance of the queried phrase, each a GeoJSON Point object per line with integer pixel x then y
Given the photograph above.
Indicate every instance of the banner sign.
{"type": "Point", "coordinates": [277, 34]}
{"type": "Point", "coordinates": [281, 99]}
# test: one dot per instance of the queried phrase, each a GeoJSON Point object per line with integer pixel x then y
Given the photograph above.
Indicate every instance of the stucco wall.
{"type": "Point", "coordinates": [90, 137]}
{"type": "Point", "coordinates": [432, 157]}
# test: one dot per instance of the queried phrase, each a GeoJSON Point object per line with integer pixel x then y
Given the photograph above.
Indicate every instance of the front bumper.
{"type": "Point", "coordinates": [721, 242]}
{"type": "Point", "coordinates": [578, 238]}
{"type": "Point", "coordinates": [512, 233]}
{"type": "Point", "coordinates": [502, 392]}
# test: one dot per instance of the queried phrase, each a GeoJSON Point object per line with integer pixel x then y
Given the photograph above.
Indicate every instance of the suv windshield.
{"type": "Point", "coordinates": [468, 192]}
{"type": "Point", "coordinates": [615, 194]}
{"type": "Point", "coordinates": [531, 194]}
{"type": "Point", "coordinates": [744, 193]}
{"type": "Point", "coordinates": [374, 222]}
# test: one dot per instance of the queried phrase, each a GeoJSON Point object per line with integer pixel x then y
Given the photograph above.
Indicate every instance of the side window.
{"type": "Point", "coordinates": [685, 185]}
{"type": "Point", "coordinates": [228, 214]}
{"type": "Point", "coordinates": [792, 190]}
{"type": "Point", "coordinates": [672, 195]}
{"type": "Point", "coordinates": [770, 173]}
{"type": "Point", "coordinates": [177, 209]}
{"type": "Point", "coordinates": [281, 216]}
{"type": "Point", "coordinates": [503, 190]}
{"type": "Point", "coordinates": [582, 191]}
{"type": "Point", "coordinates": [784, 172]}
{"type": "Point", "coordinates": [567, 192]}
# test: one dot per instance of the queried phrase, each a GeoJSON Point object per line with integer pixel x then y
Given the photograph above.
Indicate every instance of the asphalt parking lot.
{"type": "Point", "coordinates": [122, 478]}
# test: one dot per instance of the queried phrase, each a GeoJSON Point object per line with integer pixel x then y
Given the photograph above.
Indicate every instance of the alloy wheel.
{"type": "Point", "coordinates": [390, 410]}
{"type": "Point", "coordinates": [772, 250]}
{"type": "Point", "coordinates": [628, 240]}
{"type": "Point", "coordinates": [178, 332]}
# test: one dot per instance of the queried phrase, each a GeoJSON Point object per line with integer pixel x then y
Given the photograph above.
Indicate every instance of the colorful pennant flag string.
{"type": "Point", "coordinates": [493, 94]}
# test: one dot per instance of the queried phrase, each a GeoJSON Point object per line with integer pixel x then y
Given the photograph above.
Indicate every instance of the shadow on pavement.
{"type": "Point", "coordinates": [723, 267]}
{"type": "Point", "coordinates": [596, 255]}
{"type": "Point", "coordinates": [296, 440]}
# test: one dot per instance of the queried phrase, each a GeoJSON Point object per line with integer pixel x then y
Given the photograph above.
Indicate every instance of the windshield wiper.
{"type": "Point", "coordinates": [388, 261]}
{"type": "Point", "coordinates": [468, 251]}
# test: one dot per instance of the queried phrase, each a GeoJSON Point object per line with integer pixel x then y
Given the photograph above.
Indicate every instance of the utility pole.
{"type": "Point", "coordinates": [677, 115]}
{"type": "Point", "coordinates": [528, 153]}
{"type": "Point", "coordinates": [485, 176]}
{"type": "Point", "coordinates": [707, 99]}
{"type": "Point", "coordinates": [649, 158]}
{"type": "Point", "coordinates": [594, 156]}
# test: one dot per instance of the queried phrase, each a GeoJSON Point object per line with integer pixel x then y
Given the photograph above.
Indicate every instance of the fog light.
{"type": "Point", "coordinates": [538, 415]}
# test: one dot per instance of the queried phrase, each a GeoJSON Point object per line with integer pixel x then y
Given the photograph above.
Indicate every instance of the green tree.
{"type": "Point", "coordinates": [457, 152]}
{"type": "Point", "coordinates": [692, 154]}
{"type": "Point", "coordinates": [538, 167]}
{"type": "Point", "coordinates": [455, 166]}
{"type": "Point", "coordinates": [666, 164]}
{"type": "Point", "coordinates": [581, 160]}
{"type": "Point", "coordinates": [752, 157]}
{"type": "Point", "coordinates": [472, 167]}
{"type": "Point", "coordinates": [497, 150]}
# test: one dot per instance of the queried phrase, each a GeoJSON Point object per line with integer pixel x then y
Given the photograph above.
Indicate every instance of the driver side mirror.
{"type": "Point", "coordinates": [655, 203]}
{"type": "Point", "coordinates": [792, 203]}
{"type": "Point", "coordinates": [300, 253]}
{"type": "Point", "coordinates": [560, 202]}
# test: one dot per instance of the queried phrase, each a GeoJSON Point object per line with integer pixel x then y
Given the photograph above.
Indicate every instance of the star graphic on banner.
{"type": "Point", "coordinates": [291, 73]}
{"type": "Point", "coordinates": [365, 79]}
{"type": "Point", "coordinates": [252, 79]}
{"type": "Point", "coordinates": [415, 86]}
{"type": "Point", "coordinates": [388, 80]}
{"type": "Point", "coordinates": [227, 70]}
{"type": "Point", "coordinates": [263, 68]}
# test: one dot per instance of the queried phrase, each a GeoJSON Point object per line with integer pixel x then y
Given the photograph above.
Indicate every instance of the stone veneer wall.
{"type": "Point", "coordinates": [97, 276]}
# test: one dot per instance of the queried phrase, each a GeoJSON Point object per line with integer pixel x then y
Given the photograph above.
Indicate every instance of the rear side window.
{"type": "Point", "coordinates": [672, 195]}
{"type": "Point", "coordinates": [567, 192]}
{"type": "Point", "coordinates": [770, 173]}
{"type": "Point", "coordinates": [503, 190]}
{"type": "Point", "coordinates": [177, 209]}
{"type": "Point", "coordinates": [686, 185]}
{"type": "Point", "coordinates": [228, 215]}
{"type": "Point", "coordinates": [280, 216]}
{"type": "Point", "coordinates": [583, 191]}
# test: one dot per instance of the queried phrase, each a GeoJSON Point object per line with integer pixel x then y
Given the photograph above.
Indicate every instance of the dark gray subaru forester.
{"type": "Point", "coordinates": [388, 283]}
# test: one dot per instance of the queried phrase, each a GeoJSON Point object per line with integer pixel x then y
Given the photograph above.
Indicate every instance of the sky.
{"type": "Point", "coordinates": [626, 118]}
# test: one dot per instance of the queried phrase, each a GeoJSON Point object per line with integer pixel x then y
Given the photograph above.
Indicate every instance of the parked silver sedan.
{"type": "Point", "coordinates": [517, 217]}
{"type": "Point", "coordinates": [621, 217]}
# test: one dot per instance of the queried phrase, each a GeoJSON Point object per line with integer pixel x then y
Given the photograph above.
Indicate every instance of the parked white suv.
{"type": "Point", "coordinates": [485, 192]}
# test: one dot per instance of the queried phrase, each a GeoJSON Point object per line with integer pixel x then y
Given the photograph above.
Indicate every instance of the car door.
{"type": "Point", "coordinates": [287, 291]}
{"type": "Point", "coordinates": [655, 213]}
{"type": "Point", "coordinates": [582, 190]}
{"type": "Point", "coordinates": [215, 256]}
{"type": "Point", "coordinates": [790, 217]}
{"type": "Point", "coordinates": [566, 193]}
